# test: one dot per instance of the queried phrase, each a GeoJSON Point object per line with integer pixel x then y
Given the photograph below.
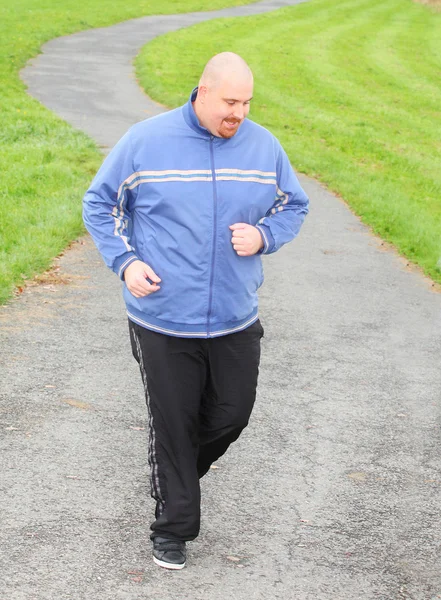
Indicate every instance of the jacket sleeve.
{"type": "Point", "coordinates": [283, 220]}
{"type": "Point", "coordinates": [107, 205]}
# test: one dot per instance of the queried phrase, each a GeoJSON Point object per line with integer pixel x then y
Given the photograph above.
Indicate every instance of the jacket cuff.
{"type": "Point", "coordinates": [122, 262]}
{"type": "Point", "coordinates": [268, 240]}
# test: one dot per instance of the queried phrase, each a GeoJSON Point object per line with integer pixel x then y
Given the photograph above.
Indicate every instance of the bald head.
{"type": "Point", "coordinates": [225, 65]}
{"type": "Point", "coordinates": [224, 94]}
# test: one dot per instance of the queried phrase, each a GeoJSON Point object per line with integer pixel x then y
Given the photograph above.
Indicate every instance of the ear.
{"type": "Point", "coordinates": [202, 92]}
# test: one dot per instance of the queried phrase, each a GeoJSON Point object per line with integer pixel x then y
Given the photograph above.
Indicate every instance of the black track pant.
{"type": "Point", "coordinates": [200, 394]}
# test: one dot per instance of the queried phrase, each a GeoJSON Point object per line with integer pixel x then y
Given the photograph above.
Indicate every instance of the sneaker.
{"type": "Point", "coordinates": [169, 554]}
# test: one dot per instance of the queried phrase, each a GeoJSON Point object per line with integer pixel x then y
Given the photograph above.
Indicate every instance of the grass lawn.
{"type": "Point", "coordinates": [46, 165]}
{"type": "Point", "coordinates": [351, 89]}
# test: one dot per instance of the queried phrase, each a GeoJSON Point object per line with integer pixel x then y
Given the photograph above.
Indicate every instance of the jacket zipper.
{"type": "Point", "coordinates": [213, 248]}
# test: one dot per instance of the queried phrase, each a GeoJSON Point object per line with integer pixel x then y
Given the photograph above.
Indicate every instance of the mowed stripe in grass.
{"type": "Point", "coordinates": [353, 91]}
{"type": "Point", "coordinates": [46, 165]}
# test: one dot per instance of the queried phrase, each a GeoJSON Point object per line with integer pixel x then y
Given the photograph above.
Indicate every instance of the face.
{"type": "Point", "coordinates": [224, 107]}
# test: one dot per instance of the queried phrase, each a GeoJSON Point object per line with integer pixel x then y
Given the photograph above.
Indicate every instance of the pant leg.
{"type": "Point", "coordinates": [174, 372]}
{"type": "Point", "coordinates": [230, 392]}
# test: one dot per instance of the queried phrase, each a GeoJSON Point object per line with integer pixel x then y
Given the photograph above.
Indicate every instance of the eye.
{"type": "Point", "coordinates": [230, 102]}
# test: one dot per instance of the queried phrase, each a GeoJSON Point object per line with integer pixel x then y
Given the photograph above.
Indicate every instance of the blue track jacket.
{"type": "Point", "coordinates": [167, 193]}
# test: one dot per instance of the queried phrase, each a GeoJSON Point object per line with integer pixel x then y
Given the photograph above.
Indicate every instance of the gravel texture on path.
{"type": "Point", "coordinates": [332, 492]}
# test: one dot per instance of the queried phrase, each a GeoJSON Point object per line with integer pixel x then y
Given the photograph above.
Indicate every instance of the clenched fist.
{"type": "Point", "coordinates": [136, 276]}
{"type": "Point", "coordinates": [246, 239]}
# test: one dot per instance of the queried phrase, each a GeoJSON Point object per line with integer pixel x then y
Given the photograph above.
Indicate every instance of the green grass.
{"type": "Point", "coordinates": [351, 89]}
{"type": "Point", "coordinates": [46, 165]}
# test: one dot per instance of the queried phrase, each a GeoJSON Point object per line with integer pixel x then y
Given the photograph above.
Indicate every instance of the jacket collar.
{"type": "Point", "coordinates": [191, 118]}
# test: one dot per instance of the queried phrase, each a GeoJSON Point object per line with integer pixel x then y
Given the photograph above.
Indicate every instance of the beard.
{"type": "Point", "coordinates": [227, 132]}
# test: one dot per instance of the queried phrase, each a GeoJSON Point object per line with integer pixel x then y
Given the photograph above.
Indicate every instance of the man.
{"type": "Point", "coordinates": [182, 210]}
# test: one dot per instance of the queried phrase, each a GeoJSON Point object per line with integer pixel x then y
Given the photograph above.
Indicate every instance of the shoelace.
{"type": "Point", "coordinates": [169, 545]}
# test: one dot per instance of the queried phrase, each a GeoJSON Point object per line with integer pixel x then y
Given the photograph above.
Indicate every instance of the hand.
{"type": "Point", "coordinates": [246, 239]}
{"type": "Point", "coordinates": [135, 277]}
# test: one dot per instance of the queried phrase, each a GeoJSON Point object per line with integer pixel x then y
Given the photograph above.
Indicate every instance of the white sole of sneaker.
{"type": "Point", "coordinates": [167, 565]}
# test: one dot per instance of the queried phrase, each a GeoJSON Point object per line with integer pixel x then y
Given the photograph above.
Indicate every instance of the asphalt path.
{"type": "Point", "coordinates": [332, 492]}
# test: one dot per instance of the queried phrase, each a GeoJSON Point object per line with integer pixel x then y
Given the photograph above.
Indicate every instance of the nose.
{"type": "Point", "coordinates": [239, 111]}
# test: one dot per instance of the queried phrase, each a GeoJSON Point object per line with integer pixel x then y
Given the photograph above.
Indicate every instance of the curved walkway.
{"type": "Point", "coordinates": [332, 493]}
{"type": "Point", "coordinates": [88, 78]}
